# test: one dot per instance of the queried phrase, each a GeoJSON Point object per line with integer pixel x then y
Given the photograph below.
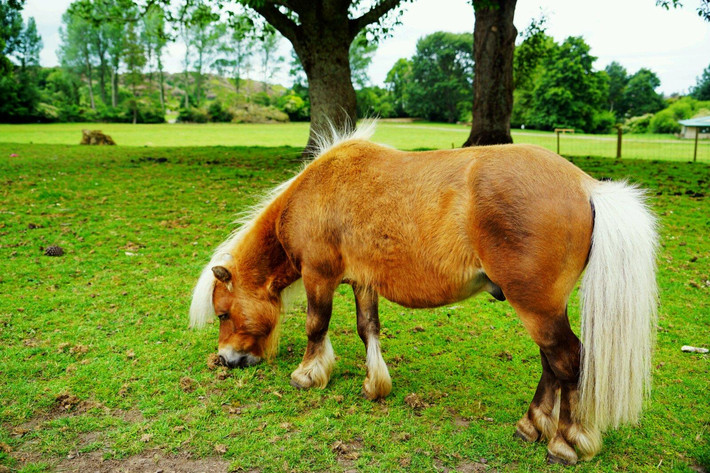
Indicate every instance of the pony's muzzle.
{"type": "Point", "coordinates": [234, 359]}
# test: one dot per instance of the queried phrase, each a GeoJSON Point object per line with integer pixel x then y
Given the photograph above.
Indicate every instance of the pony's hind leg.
{"type": "Point", "coordinates": [378, 383]}
{"type": "Point", "coordinates": [560, 347]}
{"type": "Point", "coordinates": [540, 421]}
{"type": "Point", "coordinates": [319, 359]}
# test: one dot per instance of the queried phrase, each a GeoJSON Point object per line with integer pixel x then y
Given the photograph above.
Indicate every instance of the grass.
{"type": "Point", "coordinates": [98, 370]}
{"type": "Point", "coordinates": [400, 135]}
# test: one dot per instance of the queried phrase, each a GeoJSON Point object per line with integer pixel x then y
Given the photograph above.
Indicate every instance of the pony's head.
{"type": "Point", "coordinates": [248, 314]}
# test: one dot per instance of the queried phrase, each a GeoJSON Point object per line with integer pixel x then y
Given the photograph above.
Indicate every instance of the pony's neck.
{"type": "Point", "coordinates": [261, 261]}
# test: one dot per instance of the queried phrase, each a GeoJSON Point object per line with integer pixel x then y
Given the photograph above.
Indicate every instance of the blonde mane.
{"type": "Point", "coordinates": [201, 308]}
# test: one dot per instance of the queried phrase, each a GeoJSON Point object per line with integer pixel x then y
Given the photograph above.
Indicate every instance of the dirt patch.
{"type": "Point", "coordinates": [151, 461]}
{"type": "Point", "coordinates": [346, 453]}
{"type": "Point", "coordinates": [464, 467]}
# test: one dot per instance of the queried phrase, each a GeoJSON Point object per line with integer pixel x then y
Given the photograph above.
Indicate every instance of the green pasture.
{"type": "Point", "coordinates": [99, 372]}
{"type": "Point", "coordinates": [414, 135]}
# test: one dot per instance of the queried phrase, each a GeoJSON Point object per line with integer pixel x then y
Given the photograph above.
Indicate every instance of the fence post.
{"type": "Point", "coordinates": [618, 141]}
{"type": "Point", "coordinates": [558, 141]}
{"type": "Point", "coordinates": [695, 151]}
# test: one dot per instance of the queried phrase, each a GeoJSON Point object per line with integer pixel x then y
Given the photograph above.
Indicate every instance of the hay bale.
{"type": "Point", "coordinates": [95, 137]}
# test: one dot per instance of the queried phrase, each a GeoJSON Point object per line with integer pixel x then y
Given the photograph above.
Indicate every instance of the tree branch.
{"type": "Point", "coordinates": [278, 20]}
{"type": "Point", "coordinates": [373, 15]}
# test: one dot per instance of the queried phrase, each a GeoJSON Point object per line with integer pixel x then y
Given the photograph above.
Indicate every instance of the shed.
{"type": "Point", "coordinates": [699, 125]}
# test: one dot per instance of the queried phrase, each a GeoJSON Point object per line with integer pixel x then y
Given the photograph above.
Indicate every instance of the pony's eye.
{"type": "Point", "coordinates": [223, 316]}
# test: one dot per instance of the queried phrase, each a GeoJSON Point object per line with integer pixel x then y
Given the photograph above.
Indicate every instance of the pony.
{"type": "Point", "coordinates": [430, 228]}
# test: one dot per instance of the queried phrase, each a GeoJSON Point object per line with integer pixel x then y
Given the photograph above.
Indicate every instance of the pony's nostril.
{"type": "Point", "coordinates": [222, 361]}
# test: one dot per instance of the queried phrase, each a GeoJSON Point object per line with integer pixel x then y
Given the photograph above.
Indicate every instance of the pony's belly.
{"type": "Point", "coordinates": [427, 291]}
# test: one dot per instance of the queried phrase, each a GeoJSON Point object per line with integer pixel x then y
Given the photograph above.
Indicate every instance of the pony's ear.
{"type": "Point", "coordinates": [222, 274]}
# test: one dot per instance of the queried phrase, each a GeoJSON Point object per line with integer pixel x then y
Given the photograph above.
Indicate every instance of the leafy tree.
{"type": "Point", "coordinates": [237, 48]}
{"type": "Point", "coordinates": [701, 91]}
{"type": "Point", "coordinates": [155, 39]}
{"type": "Point", "coordinates": [441, 77]}
{"type": "Point", "coordinates": [528, 61]}
{"type": "Point", "coordinates": [269, 45]}
{"type": "Point", "coordinates": [640, 96]}
{"type": "Point", "coordinates": [75, 51]}
{"type": "Point", "coordinates": [570, 94]}
{"type": "Point", "coordinates": [397, 81]}
{"type": "Point", "coordinates": [618, 80]}
{"type": "Point", "coordinates": [493, 45]}
{"type": "Point", "coordinates": [135, 60]}
{"type": "Point", "coordinates": [203, 33]}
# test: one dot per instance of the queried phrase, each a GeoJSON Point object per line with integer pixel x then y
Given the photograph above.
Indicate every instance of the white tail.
{"type": "Point", "coordinates": [619, 300]}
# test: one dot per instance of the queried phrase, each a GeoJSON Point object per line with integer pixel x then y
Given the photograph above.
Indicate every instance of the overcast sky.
{"type": "Point", "coordinates": [674, 44]}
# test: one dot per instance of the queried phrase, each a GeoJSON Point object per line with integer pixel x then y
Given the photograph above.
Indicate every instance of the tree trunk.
{"type": "Point", "coordinates": [162, 85]}
{"type": "Point", "coordinates": [324, 51]}
{"type": "Point", "coordinates": [91, 85]}
{"type": "Point", "coordinates": [493, 45]}
{"type": "Point", "coordinates": [114, 87]}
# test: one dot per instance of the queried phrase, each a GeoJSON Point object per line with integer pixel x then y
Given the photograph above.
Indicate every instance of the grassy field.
{"type": "Point", "coordinates": [400, 135]}
{"type": "Point", "coordinates": [98, 371]}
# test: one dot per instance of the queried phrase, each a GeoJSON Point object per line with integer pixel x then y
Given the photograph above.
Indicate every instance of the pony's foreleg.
{"type": "Point", "coordinates": [377, 382]}
{"type": "Point", "coordinates": [319, 359]}
{"type": "Point", "coordinates": [540, 421]}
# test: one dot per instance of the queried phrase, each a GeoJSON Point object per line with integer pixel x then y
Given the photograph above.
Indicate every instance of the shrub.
{"type": "Point", "coordinates": [637, 124]}
{"type": "Point", "coordinates": [603, 122]}
{"type": "Point", "coordinates": [192, 115]}
{"type": "Point", "coordinates": [256, 114]}
{"type": "Point", "coordinates": [664, 121]}
{"type": "Point", "coordinates": [218, 113]}
{"type": "Point", "coordinates": [294, 106]}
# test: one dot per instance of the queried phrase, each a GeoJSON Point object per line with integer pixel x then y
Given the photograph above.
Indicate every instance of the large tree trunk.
{"type": "Point", "coordinates": [493, 46]}
{"type": "Point", "coordinates": [326, 62]}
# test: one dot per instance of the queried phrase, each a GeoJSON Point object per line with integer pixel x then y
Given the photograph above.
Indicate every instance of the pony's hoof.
{"type": "Point", "coordinates": [296, 385]}
{"type": "Point", "coordinates": [526, 430]}
{"type": "Point", "coordinates": [555, 460]}
{"type": "Point", "coordinates": [521, 435]}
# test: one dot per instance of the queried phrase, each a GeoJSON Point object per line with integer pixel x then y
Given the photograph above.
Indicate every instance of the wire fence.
{"type": "Point", "coordinates": [661, 147]}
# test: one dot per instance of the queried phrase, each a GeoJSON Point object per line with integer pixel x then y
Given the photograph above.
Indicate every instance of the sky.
{"type": "Point", "coordinates": [674, 44]}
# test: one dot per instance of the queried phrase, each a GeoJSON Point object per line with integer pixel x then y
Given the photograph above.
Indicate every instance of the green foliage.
{"type": "Point", "coordinates": [664, 121]}
{"type": "Point", "coordinates": [640, 96]}
{"type": "Point", "coordinates": [193, 115]}
{"type": "Point", "coordinates": [528, 68]}
{"type": "Point", "coordinates": [701, 90]}
{"type": "Point", "coordinates": [397, 81]}
{"type": "Point", "coordinates": [374, 102]}
{"type": "Point", "coordinates": [570, 94]}
{"type": "Point", "coordinates": [294, 106]}
{"type": "Point", "coordinates": [218, 113]}
{"type": "Point", "coordinates": [638, 124]}
{"type": "Point", "coordinates": [441, 87]}
{"type": "Point", "coordinates": [618, 80]}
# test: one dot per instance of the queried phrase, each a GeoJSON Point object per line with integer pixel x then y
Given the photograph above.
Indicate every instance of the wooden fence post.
{"type": "Point", "coordinates": [618, 141]}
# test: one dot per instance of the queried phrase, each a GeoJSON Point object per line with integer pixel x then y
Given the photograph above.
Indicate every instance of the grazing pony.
{"type": "Point", "coordinates": [425, 229]}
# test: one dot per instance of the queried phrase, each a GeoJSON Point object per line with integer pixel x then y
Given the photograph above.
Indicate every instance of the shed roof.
{"type": "Point", "coordinates": [700, 121]}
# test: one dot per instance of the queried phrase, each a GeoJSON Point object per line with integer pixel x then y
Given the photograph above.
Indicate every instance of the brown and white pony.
{"type": "Point", "coordinates": [425, 229]}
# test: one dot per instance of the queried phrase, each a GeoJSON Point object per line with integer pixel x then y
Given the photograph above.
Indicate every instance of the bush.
{"type": "Point", "coordinates": [637, 124]}
{"type": "Point", "coordinates": [664, 121]}
{"type": "Point", "coordinates": [218, 113]}
{"type": "Point", "coordinates": [261, 98]}
{"type": "Point", "coordinates": [256, 114]}
{"type": "Point", "coordinates": [603, 122]}
{"type": "Point", "coordinates": [192, 115]}
{"type": "Point", "coordinates": [294, 106]}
